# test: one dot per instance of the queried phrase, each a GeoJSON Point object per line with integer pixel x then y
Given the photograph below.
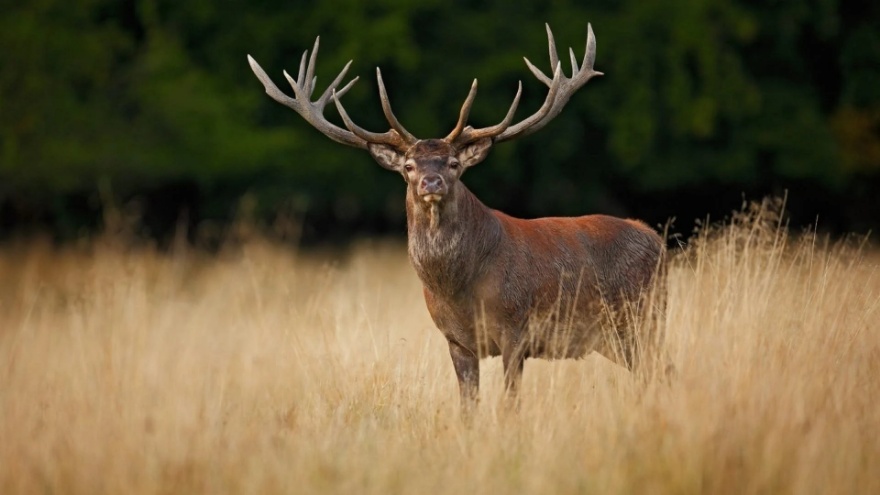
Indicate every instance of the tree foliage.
{"type": "Point", "coordinates": [148, 97]}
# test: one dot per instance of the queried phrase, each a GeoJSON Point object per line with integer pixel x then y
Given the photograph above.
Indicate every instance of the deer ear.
{"type": "Point", "coordinates": [475, 152]}
{"type": "Point", "coordinates": [387, 156]}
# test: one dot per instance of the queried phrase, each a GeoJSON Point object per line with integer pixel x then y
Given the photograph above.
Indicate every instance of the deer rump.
{"type": "Point", "coordinates": [548, 286]}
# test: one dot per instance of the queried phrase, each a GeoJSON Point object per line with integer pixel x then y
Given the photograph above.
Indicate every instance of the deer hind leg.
{"type": "Point", "coordinates": [619, 342]}
{"type": "Point", "coordinates": [513, 359]}
{"type": "Point", "coordinates": [639, 347]}
{"type": "Point", "coordinates": [467, 370]}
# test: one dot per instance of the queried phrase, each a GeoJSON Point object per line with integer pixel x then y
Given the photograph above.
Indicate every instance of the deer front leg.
{"type": "Point", "coordinates": [467, 369]}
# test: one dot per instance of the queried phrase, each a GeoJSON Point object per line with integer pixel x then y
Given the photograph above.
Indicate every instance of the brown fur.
{"type": "Point", "coordinates": [499, 285]}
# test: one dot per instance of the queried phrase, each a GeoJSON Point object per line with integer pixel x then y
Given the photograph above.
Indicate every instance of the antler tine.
{"type": "Point", "coordinates": [391, 137]}
{"type": "Point", "coordinates": [271, 89]}
{"type": "Point", "coordinates": [302, 67]}
{"type": "Point", "coordinates": [463, 115]}
{"type": "Point", "coordinates": [297, 90]}
{"type": "Point", "coordinates": [310, 79]}
{"type": "Point", "coordinates": [538, 73]}
{"type": "Point", "coordinates": [389, 114]}
{"type": "Point", "coordinates": [554, 58]}
{"type": "Point", "coordinates": [341, 92]}
{"type": "Point", "coordinates": [590, 51]}
{"type": "Point", "coordinates": [328, 93]}
{"type": "Point", "coordinates": [470, 134]}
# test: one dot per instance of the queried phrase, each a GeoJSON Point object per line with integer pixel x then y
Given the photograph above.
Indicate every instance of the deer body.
{"type": "Point", "coordinates": [488, 276]}
{"type": "Point", "coordinates": [542, 269]}
{"type": "Point", "coordinates": [494, 284]}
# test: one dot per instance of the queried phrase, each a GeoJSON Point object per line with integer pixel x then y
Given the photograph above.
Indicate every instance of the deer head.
{"type": "Point", "coordinates": [430, 167]}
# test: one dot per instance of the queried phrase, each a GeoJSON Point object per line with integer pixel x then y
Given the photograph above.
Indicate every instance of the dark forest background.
{"type": "Point", "coordinates": [149, 106]}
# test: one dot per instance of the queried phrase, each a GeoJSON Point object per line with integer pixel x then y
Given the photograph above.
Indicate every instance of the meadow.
{"type": "Point", "coordinates": [265, 369]}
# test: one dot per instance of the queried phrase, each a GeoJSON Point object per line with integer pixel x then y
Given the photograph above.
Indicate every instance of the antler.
{"type": "Point", "coordinates": [561, 89]}
{"type": "Point", "coordinates": [313, 111]}
{"type": "Point", "coordinates": [303, 87]}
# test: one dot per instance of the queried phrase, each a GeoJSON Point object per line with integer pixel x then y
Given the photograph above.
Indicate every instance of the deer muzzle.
{"type": "Point", "coordinates": [432, 188]}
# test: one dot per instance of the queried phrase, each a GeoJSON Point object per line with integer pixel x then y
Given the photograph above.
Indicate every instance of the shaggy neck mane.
{"type": "Point", "coordinates": [448, 245]}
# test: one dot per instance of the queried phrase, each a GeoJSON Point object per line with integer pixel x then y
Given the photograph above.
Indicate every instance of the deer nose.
{"type": "Point", "coordinates": [432, 184]}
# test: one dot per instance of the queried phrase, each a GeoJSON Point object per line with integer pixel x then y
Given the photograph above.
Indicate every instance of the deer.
{"type": "Point", "coordinates": [494, 284]}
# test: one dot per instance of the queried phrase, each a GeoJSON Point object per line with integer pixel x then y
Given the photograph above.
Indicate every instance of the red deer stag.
{"type": "Point", "coordinates": [494, 284]}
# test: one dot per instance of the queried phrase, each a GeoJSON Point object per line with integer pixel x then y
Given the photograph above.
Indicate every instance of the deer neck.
{"type": "Point", "coordinates": [449, 241]}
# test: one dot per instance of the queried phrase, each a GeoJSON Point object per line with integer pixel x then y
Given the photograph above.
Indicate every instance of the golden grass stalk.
{"type": "Point", "coordinates": [262, 370]}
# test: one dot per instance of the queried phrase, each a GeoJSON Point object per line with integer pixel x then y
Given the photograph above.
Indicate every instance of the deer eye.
{"type": "Point", "coordinates": [408, 168]}
{"type": "Point", "coordinates": [453, 164]}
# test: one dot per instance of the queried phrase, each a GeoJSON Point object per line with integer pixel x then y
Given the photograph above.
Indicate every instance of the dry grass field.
{"type": "Point", "coordinates": [263, 370]}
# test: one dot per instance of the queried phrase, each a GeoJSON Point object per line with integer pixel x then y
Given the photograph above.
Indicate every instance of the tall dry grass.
{"type": "Point", "coordinates": [262, 370]}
